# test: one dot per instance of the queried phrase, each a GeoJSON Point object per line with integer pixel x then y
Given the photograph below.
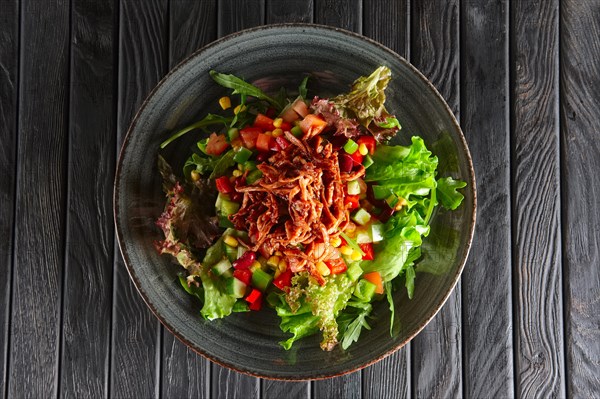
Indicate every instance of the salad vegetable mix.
{"type": "Point", "coordinates": [300, 205]}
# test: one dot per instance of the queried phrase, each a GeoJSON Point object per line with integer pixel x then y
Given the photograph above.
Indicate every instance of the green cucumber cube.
{"type": "Point", "coordinates": [236, 288]}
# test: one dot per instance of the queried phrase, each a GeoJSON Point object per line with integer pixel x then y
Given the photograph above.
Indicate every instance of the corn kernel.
{"type": "Point", "coordinates": [273, 261]}
{"type": "Point", "coordinates": [239, 108]}
{"type": "Point", "coordinates": [277, 273]}
{"type": "Point", "coordinates": [277, 132]}
{"type": "Point", "coordinates": [237, 173]}
{"type": "Point", "coordinates": [269, 133]}
{"type": "Point", "coordinates": [277, 122]}
{"type": "Point", "coordinates": [225, 102]}
{"type": "Point", "coordinates": [195, 175]}
{"type": "Point", "coordinates": [335, 242]}
{"type": "Point", "coordinates": [278, 253]}
{"type": "Point", "coordinates": [231, 241]}
{"type": "Point", "coordinates": [240, 166]}
{"type": "Point", "coordinates": [356, 255]}
{"type": "Point", "coordinates": [282, 265]}
{"type": "Point", "coordinates": [350, 228]}
{"type": "Point", "coordinates": [362, 149]}
{"type": "Point", "coordinates": [401, 202]}
{"type": "Point", "coordinates": [322, 268]}
{"type": "Point", "coordinates": [346, 250]}
{"type": "Point", "coordinates": [255, 265]}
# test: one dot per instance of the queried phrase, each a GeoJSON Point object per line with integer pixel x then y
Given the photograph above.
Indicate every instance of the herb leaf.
{"type": "Point", "coordinates": [240, 86]}
{"type": "Point", "coordinates": [210, 119]}
{"type": "Point", "coordinates": [302, 90]}
{"type": "Point", "coordinates": [447, 192]}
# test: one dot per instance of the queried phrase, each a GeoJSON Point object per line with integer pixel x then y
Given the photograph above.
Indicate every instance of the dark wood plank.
{"type": "Point", "coordinates": [345, 14]}
{"type": "Point", "coordinates": [539, 357]}
{"type": "Point", "coordinates": [235, 15]}
{"type": "Point", "coordinates": [40, 200]}
{"type": "Point", "coordinates": [580, 84]}
{"type": "Point", "coordinates": [143, 58]}
{"type": "Point", "coordinates": [282, 12]}
{"type": "Point", "coordinates": [487, 333]}
{"type": "Point", "coordinates": [389, 378]}
{"type": "Point", "coordinates": [184, 373]}
{"type": "Point", "coordinates": [289, 11]}
{"type": "Point", "coordinates": [436, 352]}
{"type": "Point", "coordinates": [90, 237]}
{"type": "Point", "coordinates": [9, 56]}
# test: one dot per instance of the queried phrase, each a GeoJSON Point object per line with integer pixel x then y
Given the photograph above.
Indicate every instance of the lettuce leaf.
{"type": "Point", "coordinates": [447, 192]}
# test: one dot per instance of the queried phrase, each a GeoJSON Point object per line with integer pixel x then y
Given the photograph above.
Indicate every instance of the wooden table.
{"type": "Point", "coordinates": [524, 79]}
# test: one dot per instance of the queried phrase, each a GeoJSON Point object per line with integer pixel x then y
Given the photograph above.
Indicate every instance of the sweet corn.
{"type": "Point", "coordinates": [277, 273]}
{"type": "Point", "coordinates": [231, 241]}
{"type": "Point", "coordinates": [356, 255]}
{"type": "Point", "coordinates": [282, 265]}
{"type": "Point", "coordinates": [322, 268]}
{"type": "Point", "coordinates": [350, 228]}
{"type": "Point", "coordinates": [335, 242]}
{"type": "Point", "coordinates": [362, 149]}
{"type": "Point", "coordinates": [225, 102]}
{"type": "Point", "coordinates": [240, 166]}
{"type": "Point", "coordinates": [277, 122]}
{"type": "Point", "coordinates": [255, 265]}
{"type": "Point", "coordinates": [401, 202]}
{"type": "Point", "coordinates": [239, 108]}
{"type": "Point", "coordinates": [269, 133]}
{"type": "Point", "coordinates": [273, 261]}
{"type": "Point", "coordinates": [277, 132]}
{"type": "Point", "coordinates": [237, 173]}
{"type": "Point", "coordinates": [346, 250]}
{"type": "Point", "coordinates": [278, 253]}
{"type": "Point", "coordinates": [195, 175]}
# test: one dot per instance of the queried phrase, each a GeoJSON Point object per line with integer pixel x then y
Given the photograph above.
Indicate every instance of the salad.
{"type": "Point", "coordinates": [300, 205]}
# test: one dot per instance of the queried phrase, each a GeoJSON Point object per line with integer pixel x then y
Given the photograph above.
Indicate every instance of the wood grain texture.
{"type": "Point", "coordinates": [229, 384]}
{"type": "Point", "coordinates": [487, 333]}
{"type": "Point", "coordinates": [536, 201]}
{"type": "Point", "coordinates": [389, 24]}
{"type": "Point", "coordinates": [9, 58]}
{"type": "Point", "coordinates": [346, 14]}
{"type": "Point", "coordinates": [186, 374]}
{"type": "Point", "coordinates": [580, 83]}
{"type": "Point", "coordinates": [289, 11]}
{"type": "Point", "coordinates": [40, 201]}
{"type": "Point", "coordinates": [283, 12]}
{"type": "Point", "coordinates": [87, 299]}
{"type": "Point", "coordinates": [436, 356]}
{"type": "Point", "coordinates": [143, 57]}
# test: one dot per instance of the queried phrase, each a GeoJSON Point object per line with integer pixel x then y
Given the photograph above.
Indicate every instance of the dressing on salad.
{"type": "Point", "coordinates": [302, 206]}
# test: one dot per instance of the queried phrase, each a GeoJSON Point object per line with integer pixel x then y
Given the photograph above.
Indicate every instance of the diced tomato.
{"type": "Point", "coordinates": [254, 299]}
{"type": "Point", "coordinates": [356, 158]}
{"type": "Point", "coordinates": [249, 135]}
{"type": "Point", "coordinates": [224, 186]}
{"type": "Point", "coordinates": [244, 275]}
{"type": "Point", "coordinates": [285, 126]}
{"type": "Point", "coordinates": [216, 144]}
{"type": "Point", "coordinates": [263, 122]}
{"type": "Point", "coordinates": [351, 201]}
{"type": "Point", "coordinates": [282, 142]}
{"type": "Point", "coordinates": [369, 142]}
{"type": "Point", "coordinates": [284, 280]}
{"type": "Point", "coordinates": [263, 142]}
{"type": "Point", "coordinates": [300, 107]}
{"type": "Point", "coordinates": [368, 250]}
{"type": "Point", "coordinates": [336, 266]}
{"type": "Point", "coordinates": [375, 278]}
{"type": "Point", "coordinates": [313, 123]}
{"type": "Point", "coordinates": [244, 261]}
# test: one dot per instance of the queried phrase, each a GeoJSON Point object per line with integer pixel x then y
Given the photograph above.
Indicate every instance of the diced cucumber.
{"type": "Point", "coordinates": [353, 187]}
{"type": "Point", "coordinates": [231, 252]}
{"type": "Point", "coordinates": [377, 231]}
{"type": "Point", "coordinates": [219, 201]}
{"type": "Point", "coordinates": [236, 288]}
{"type": "Point", "coordinates": [365, 290]}
{"type": "Point", "coordinates": [222, 268]}
{"type": "Point", "coordinates": [392, 200]}
{"type": "Point", "coordinates": [363, 236]}
{"type": "Point", "coordinates": [351, 146]}
{"type": "Point", "coordinates": [361, 217]}
{"type": "Point", "coordinates": [240, 251]}
{"type": "Point", "coordinates": [367, 161]}
{"type": "Point", "coordinates": [297, 131]}
{"type": "Point", "coordinates": [380, 192]}
{"type": "Point", "coordinates": [249, 166]}
{"type": "Point", "coordinates": [242, 155]}
{"type": "Point", "coordinates": [233, 134]}
{"type": "Point", "coordinates": [229, 207]}
{"type": "Point", "coordinates": [253, 176]}
{"type": "Point", "coordinates": [224, 222]}
{"type": "Point", "coordinates": [354, 271]}
{"type": "Point", "coordinates": [261, 279]}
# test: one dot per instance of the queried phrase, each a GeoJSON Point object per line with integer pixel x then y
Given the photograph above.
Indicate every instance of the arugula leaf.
{"type": "Point", "coordinates": [208, 120]}
{"type": "Point", "coordinates": [390, 299]}
{"type": "Point", "coordinates": [302, 90]}
{"type": "Point", "coordinates": [352, 320]}
{"type": "Point", "coordinates": [409, 275]}
{"type": "Point", "coordinates": [447, 192]}
{"type": "Point", "coordinates": [223, 163]}
{"type": "Point", "coordinates": [240, 86]}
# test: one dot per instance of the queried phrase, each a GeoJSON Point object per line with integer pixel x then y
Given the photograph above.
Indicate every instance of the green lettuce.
{"type": "Point", "coordinates": [447, 192]}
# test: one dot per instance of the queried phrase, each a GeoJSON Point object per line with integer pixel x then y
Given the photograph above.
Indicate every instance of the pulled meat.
{"type": "Point", "coordinates": [298, 205]}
